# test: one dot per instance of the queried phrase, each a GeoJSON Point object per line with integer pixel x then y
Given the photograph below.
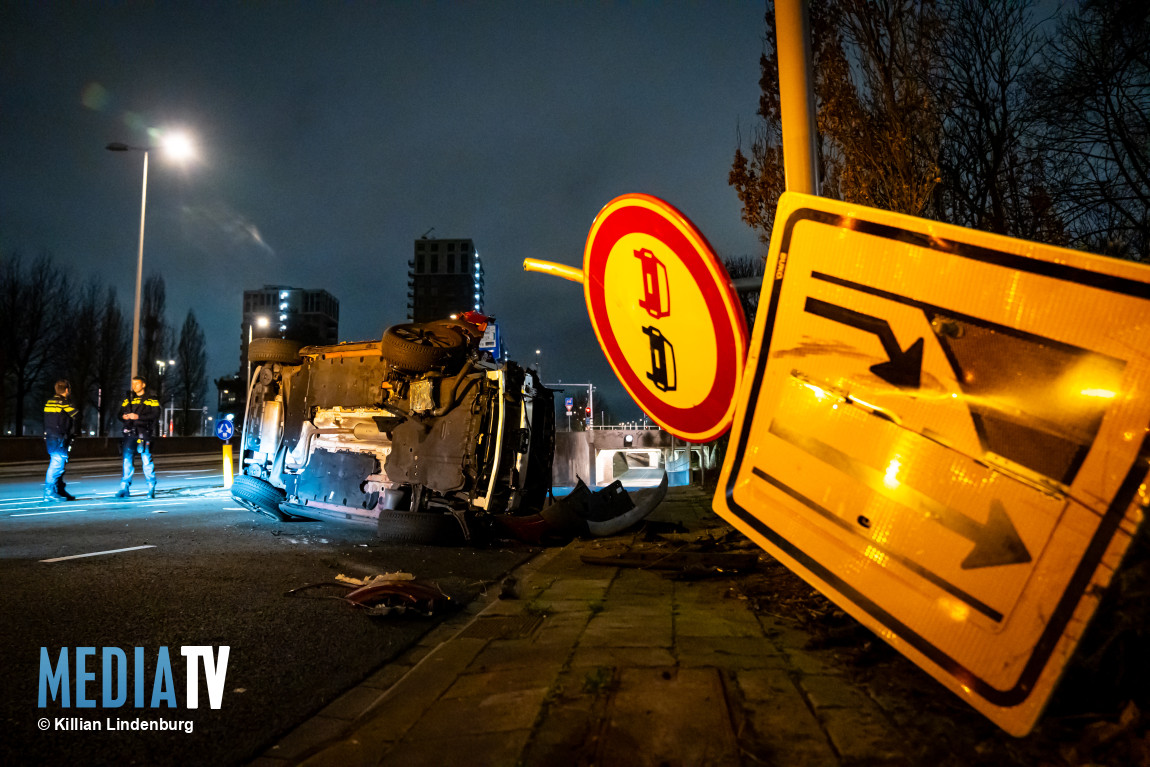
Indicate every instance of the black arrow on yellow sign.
{"type": "Point", "coordinates": [904, 368]}
{"type": "Point", "coordinates": [996, 541]}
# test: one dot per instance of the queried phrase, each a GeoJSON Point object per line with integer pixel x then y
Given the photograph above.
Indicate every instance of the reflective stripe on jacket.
{"type": "Point", "coordinates": [58, 416]}
{"type": "Point", "coordinates": [146, 407]}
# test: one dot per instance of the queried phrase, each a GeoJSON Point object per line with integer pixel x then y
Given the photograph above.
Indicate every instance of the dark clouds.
{"type": "Point", "coordinates": [334, 134]}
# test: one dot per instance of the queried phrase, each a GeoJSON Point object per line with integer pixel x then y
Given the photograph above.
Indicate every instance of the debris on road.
{"type": "Point", "coordinates": [383, 597]}
{"type": "Point", "coordinates": [382, 594]}
{"type": "Point", "coordinates": [584, 513]}
{"type": "Point", "coordinates": [374, 579]}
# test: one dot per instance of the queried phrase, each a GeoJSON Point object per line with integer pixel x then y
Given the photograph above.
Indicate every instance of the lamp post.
{"type": "Point", "coordinates": [178, 146]}
{"type": "Point", "coordinates": [262, 322]}
{"type": "Point", "coordinates": [161, 370]}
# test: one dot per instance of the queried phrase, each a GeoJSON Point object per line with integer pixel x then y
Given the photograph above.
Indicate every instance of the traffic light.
{"type": "Point", "coordinates": [588, 409]}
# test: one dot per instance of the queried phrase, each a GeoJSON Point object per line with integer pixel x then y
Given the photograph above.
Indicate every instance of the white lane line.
{"type": "Point", "coordinates": [97, 553]}
{"type": "Point", "coordinates": [98, 506]}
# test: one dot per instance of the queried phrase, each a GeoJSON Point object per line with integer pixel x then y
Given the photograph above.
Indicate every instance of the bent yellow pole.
{"type": "Point", "coordinates": [550, 267]}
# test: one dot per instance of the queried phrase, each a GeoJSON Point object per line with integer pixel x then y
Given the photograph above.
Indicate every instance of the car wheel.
{"type": "Point", "coordinates": [260, 496]}
{"type": "Point", "coordinates": [419, 347]}
{"type": "Point", "coordinates": [418, 527]}
{"type": "Point", "coordinates": [281, 350]}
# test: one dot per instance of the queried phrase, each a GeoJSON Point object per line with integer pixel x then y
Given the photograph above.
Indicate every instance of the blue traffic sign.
{"type": "Point", "coordinates": [225, 430]}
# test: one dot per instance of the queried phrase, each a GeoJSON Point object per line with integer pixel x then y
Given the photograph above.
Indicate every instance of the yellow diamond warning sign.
{"type": "Point", "coordinates": [945, 431]}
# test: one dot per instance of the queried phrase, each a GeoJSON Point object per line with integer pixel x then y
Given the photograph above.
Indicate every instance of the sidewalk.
{"type": "Point", "coordinates": [602, 665]}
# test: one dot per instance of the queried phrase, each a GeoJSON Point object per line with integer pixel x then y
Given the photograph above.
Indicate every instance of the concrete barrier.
{"type": "Point", "coordinates": [22, 449]}
{"type": "Point", "coordinates": [594, 456]}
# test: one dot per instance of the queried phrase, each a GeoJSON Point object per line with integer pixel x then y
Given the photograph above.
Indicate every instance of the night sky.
{"type": "Point", "coordinates": [332, 135]}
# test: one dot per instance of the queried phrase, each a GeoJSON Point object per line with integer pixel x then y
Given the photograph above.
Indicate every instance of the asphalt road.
{"type": "Point", "coordinates": [191, 568]}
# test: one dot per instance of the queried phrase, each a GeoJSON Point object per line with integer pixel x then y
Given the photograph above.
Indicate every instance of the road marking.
{"type": "Point", "coordinates": [98, 553]}
{"type": "Point", "coordinates": [98, 506]}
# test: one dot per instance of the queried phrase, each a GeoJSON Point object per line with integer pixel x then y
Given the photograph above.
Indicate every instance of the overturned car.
{"type": "Point", "coordinates": [419, 434]}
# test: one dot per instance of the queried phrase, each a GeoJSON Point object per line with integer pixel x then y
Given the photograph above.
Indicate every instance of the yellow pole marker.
{"type": "Point", "coordinates": [227, 466]}
{"type": "Point", "coordinates": [550, 267]}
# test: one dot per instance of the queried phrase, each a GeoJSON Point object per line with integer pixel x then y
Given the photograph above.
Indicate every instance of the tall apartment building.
{"type": "Point", "coordinates": [279, 311]}
{"type": "Point", "coordinates": [444, 277]}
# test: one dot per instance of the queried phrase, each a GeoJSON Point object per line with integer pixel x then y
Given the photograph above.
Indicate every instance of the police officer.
{"type": "Point", "coordinates": [59, 416]}
{"type": "Point", "coordinates": [139, 412]}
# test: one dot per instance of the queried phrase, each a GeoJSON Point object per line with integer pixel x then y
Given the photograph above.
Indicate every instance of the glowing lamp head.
{"type": "Point", "coordinates": [178, 146]}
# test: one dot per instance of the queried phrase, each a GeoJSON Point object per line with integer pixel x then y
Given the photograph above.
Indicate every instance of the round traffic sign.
{"type": "Point", "coordinates": [225, 429]}
{"type": "Point", "coordinates": [663, 309]}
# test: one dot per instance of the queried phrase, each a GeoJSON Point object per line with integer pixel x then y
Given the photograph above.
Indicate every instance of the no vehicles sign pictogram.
{"type": "Point", "coordinates": [666, 317]}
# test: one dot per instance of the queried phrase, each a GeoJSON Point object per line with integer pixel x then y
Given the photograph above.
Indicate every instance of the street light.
{"type": "Point", "coordinates": [261, 322]}
{"type": "Point", "coordinates": [179, 147]}
{"type": "Point", "coordinates": [161, 369]}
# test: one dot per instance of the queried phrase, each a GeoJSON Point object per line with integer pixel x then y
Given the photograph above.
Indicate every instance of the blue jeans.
{"type": "Point", "coordinates": [132, 446]}
{"type": "Point", "coordinates": [57, 460]}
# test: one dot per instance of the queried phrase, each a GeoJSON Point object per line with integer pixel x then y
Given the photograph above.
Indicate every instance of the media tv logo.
{"type": "Point", "coordinates": [153, 686]}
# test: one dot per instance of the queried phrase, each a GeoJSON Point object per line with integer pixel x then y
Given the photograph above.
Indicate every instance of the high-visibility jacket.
{"type": "Point", "coordinates": [58, 416]}
{"type": "Point", "coordinates": [147, 407]}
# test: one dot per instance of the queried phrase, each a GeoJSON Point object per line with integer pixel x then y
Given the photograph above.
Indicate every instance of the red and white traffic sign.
{"type": "Point", "coordinates": [666, 317]}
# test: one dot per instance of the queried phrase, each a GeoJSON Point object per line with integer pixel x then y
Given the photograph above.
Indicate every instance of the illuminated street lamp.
{"type": "Point", "coordinates": [179, 147]}
{"type": "Point", "coordinates": [161, 369]}
{"type": "Point", "coordinates": [262, 322]}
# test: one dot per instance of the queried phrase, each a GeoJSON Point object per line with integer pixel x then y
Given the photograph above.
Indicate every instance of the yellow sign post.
{"type": "Point", "coordinates": [228, 466]}
{"type": "Point", "coordinates": [946, 432]}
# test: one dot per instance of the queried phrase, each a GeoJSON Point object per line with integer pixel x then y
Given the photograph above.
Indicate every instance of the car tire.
{"type": "Point", "coordinates": [260, 496]}
{"type": "Point", "coordinates": [418, 527]}
{"type": "Point", "coordinates": [280, 350]}
{"type": "Point", "coordinates": [418, 347]}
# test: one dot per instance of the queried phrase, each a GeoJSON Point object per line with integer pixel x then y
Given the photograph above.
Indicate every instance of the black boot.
{"type": "Point", "coordinates": [123, 492]}
{"type": "Point", "coordinates": [51, 495]}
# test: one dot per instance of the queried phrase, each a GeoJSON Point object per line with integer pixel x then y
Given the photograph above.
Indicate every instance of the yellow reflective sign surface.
{"type": "Point", "coordinates": [945, 431]}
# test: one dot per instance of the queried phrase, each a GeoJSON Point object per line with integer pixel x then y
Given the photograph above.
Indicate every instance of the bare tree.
{"type": "Point", "coordinates": [9, 300]}
{"type": "Point", "coordinates": [80, 350]}
{"type": "Point", "coordinates": [33, 308]}
{"type": "Point", "coordinates": [153, 330]}
{"type": "Point", "coordinates": [191, 374]}
{"type": "Point", "coordinates": [879, 124]}
{"type": "Point", "coordinates": [741, 267]}
{"type": "Point", "coordinates": [994, 170]}
{"type": "Point", "coordinates": [1096, 95]}
{"type": "Point", "coordinates": [113, 347]}
{"type": "Point", "coordinates": [888, 126]}
{"type": "Point", "coordinates": [758, 176]}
